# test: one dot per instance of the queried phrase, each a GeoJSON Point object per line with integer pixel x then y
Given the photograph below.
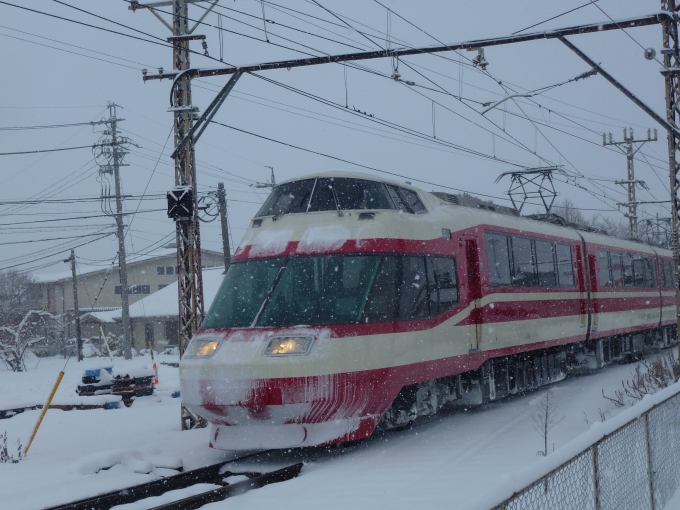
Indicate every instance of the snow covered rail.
{"type": "Point", "coordinates": [220, 485]}
{"type": "Point", "coordinates": [631, 461]}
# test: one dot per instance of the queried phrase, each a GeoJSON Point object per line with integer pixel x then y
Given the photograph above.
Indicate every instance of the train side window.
{"type": "Point", "coordinates": [412, 200]}
{"type": "Point", "coordinates": [627, 270]}
{"type": "Point", "coordinates": [565, 267]}
{"type": "Point", "coordinates": [545, 264]}
{"type": "Point", "coordinates": [383, 302]}
{"type": "Point", "coordinates": [498, 260]}
{"type": "Point", "coordinates": [648, 273]}
{"type": "Point", "coordinates": [413, 302]}
{"type": "Point", "coordinates": [668, 274]}
{"type": "Point", "coordinates": [603, 273]}
{"type": "Point", "coordinates": [523, 259]}
{"type": "Point", "coordinates": [638, 271]}
{"type": "Point", "coordinates": [441, 275]}
{"type": "Point", "coordinates": [616, 264]}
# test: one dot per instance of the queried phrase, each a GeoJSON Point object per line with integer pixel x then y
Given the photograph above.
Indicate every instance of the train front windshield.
{"type": "Point", "coordinates": [334, 289]}
{"type": "Point", "coordinates": [329, 289]}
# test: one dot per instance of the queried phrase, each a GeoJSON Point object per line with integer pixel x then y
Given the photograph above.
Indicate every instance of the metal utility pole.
{"type": "Point", "coordinates": [182, 201]}
{"type": "Point", "coordinates": [222, 203]}
{"type": "Point", "coordinates": [112, 152]}
{"type": "Point", "coordinates": [76, 312]}
{"type": "Point", "coordinates": [671, 74]}
{"type": "Point", "coordinates": [627, 146]}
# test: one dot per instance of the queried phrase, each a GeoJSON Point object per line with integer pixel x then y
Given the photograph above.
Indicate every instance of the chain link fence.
{"type": "Point", "coordinates": [636, 467]}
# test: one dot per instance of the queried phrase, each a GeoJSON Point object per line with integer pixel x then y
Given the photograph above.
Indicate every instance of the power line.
{"type": "Point", "coordinates": [53, 150]}
{"type": "Point", "coordinates": [76, 218]}
{"type": "Point", "coordinates": [56, 253]}
{"type": "Point", "coordinates": [353, 163]}
{"type": "Point", "coordinates": [21, 128]}
{"type": "Point", "coordinates": [52, 239]}
{"type": "Point", "coordinates": [555, 17]}
{"type": "Point", "coordinates": [66, 51]}
{"type": "Point", "coordinates": [76, 46]}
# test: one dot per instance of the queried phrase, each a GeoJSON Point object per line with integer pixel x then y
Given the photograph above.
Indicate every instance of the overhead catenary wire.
{"type": "Point", "coordinates": [394, 174]}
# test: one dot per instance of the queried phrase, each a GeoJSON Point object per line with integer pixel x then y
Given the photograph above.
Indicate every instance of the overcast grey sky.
{"type": "Point", "coordinates": [42, 85]}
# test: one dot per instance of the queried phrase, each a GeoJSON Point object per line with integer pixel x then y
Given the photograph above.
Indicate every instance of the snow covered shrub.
{"type": "Point", "coordinates": [648, 378]}
{"type": "Point", "coordinates": [171, 351]}
{"type": "Point", "coordinates": [5, 456]}
{"type": "Point", "coordinates": [14, 340]}
{"type": "Point", "coordinates": [89, 349]}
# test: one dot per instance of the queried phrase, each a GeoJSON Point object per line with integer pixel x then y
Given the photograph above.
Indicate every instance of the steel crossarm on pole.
{"type": "Point", "coordinates": [197, 129]}
{"type": "Point", "coordinates": [647, 20]}
{"type": "Point", "coordinates": [664, 123]}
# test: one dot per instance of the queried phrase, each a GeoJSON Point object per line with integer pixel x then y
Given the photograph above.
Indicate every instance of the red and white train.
{"type": "Point", "coordinates": [355, 303]}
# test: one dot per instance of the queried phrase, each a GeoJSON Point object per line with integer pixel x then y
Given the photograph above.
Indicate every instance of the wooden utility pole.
{"type": "Point", "coordinates": [222, 203]}
{"type": "Point", "coordinates": [76, 312]}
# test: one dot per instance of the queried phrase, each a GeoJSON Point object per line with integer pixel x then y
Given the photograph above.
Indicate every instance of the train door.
{"type": "Point", "coordinates": [584, 287]}
{"type": "Point", "coordinates": [591, 267]}
{"type": "Point", "coordinates": [475, 291]}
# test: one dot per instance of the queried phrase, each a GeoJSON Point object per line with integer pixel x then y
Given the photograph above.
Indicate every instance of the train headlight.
{"type": "Point", "coordinates": [202, 347]}
{"type": "Point", "coordinates": [289, 346]}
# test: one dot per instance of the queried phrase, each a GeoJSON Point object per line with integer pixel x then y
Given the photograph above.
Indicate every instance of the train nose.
{"type": "Point", "coordinates": [257, 401]}
{"type": "Point", "coordinates": [280, 413]}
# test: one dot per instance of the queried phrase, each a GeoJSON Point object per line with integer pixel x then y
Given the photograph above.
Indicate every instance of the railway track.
{"type": "Point", "coordinates": [216, 475]}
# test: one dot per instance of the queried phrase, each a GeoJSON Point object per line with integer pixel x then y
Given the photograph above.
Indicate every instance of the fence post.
{"type": "Point", "coordinates": [649, 461]}
{"type": "Point", "coordinates": [596, 476]}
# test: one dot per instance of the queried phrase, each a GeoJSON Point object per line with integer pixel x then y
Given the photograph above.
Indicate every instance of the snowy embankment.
{"type": "Point", "coordinates": [77, 454]}
{"type": "Point", "coordinates": [455, 460]}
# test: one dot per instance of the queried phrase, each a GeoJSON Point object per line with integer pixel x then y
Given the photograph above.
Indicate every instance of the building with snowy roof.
{"type": "Point", "coordinates": [154, 318]}
{"type": "Point", "coordinates": [147, 273]}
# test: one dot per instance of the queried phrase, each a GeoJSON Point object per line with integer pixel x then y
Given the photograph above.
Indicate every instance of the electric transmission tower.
{"type": "Point", "coordinates": [109, 154]}
{"type": "Point", "coordinates": [629, 148]}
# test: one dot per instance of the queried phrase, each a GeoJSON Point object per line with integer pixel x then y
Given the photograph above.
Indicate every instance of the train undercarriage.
{"type": "Point", "coordinates": [509, 375]}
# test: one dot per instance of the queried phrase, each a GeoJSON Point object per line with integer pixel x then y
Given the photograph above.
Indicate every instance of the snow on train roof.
{"type": "Point", "coordinates": [481, 212]}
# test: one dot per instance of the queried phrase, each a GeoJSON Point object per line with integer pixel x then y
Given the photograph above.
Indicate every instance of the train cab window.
{"type": "Point", "coordinates": [441, 276]}
{"type": "Point", "coordinates": [545, 264]}
{"type": "Point", "coordinates": [603, 273]}
{"type": "Point", "coordinates": [361, 194]}
{"type": "Point", "coordinates": [565, 267]}
{"type": "Point", "coordinates": [396, 198]}
{"type": "Point", "coordinates": [243, 290]}
{"type": "Point", "coordinates": [383, 302]}
{"type": "Point", "coordinates": [324, 198]}
{"type": "Point", "coordinates": [627, 262]}
{"type": "Point", "coordinates": [412, 200]}
{"type": "Point", "coordinates": [524, 274]}
{"type": "Point", "coordinates": [413, 302]}
{"type": "Point", "coordinates": [288, 198]}
{"type": "Point", "coordinates": [616, 264]}
{"type": "Point", "coordinates": [498, 260]}
{"type": "Point", "coordinates": [330, 289]}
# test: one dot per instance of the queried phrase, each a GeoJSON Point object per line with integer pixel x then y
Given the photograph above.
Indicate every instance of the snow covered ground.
{"type": "Point", "coordinates": [449, 461]}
